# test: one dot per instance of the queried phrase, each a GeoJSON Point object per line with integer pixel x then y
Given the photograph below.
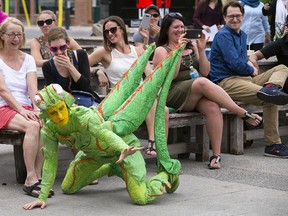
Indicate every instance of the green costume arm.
{"type": "Point", "coordinates": [109, 141]}
{"type": "Point", "coordinates": [50, 151]}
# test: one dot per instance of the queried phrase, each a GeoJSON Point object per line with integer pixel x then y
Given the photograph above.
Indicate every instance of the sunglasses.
{"type": "Point", "coordinates": [113, 30]}
{"type": "Point", "coordinates": [55, 49]}
{"type": "Point", "coordinates": [175, 14]}
{"type": "Point", "coordinates": [47, 22]}
{"type": "Point", "coordinates": [155, 15]}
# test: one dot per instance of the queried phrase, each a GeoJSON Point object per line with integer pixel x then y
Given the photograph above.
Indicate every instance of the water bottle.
{"type": "Point", "coordinates": [193, 73]}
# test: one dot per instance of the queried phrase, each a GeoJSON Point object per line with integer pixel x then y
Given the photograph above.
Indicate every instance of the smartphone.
{"type": "Point", "coordinates": [146, 21]}
{"type": "Point", "coordinates": [193, 33]}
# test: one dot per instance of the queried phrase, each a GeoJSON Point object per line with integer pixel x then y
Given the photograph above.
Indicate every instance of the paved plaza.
{"type": "Point", "coordinates": [248, 184]}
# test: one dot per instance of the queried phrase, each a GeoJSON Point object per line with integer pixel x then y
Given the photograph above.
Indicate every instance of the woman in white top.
{"type": "Point", "coordinates": [18, 84]}
{"type": "Point", "coordinates": [117, 56]}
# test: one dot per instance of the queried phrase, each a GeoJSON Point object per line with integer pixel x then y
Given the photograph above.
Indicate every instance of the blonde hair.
{"type": "Point", "coordinates": [49, 12]}
{"type": "Point", "coordinates": [3, 29]}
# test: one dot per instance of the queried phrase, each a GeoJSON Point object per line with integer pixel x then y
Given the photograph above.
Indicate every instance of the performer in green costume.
{"type": "Point", "coordinates": [104, 135]}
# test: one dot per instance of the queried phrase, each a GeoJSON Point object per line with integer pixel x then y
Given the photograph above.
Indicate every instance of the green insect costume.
{"type": "Point", "coordinates": [103, 133]}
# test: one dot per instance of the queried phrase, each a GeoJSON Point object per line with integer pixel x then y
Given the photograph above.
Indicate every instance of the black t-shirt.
{"type": "Point", "coordinates": [279, 49]}
{"type": "Point", "coordinates": [81, 63]}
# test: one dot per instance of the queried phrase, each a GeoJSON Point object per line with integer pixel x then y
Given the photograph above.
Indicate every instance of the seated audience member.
{"type": "Point", "coordinates": [144, 37]}
{"type": "Point", "coordinates": [207, 14]}
{"type": "Point", "coordinates": [241, 79]}
{"type": "Point", "coordinates": [196, 93]}
{"type": "Point", "coordinates": [18, 86]}
{"type": "Point", "coordinates": [68, 68]}
{"type": "Point", "coordinates": [276, 48]}
{"type": "Point", "coordinates": [39, 46]}
{"type": "Point", "coordinates": [117, 56]}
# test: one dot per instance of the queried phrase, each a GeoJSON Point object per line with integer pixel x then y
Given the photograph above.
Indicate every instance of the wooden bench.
{"type": "Point", "coordinates": [234, 134]}
{"type": "Point", "coordinates": [187, 134]}
{"type": "Point", "coordinates": [181, 131]}
{"type": "Point", "coordinates": [15, 138]}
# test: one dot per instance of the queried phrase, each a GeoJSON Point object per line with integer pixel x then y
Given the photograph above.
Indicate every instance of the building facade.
{"type": "Point", "coordinates": [86, 12]}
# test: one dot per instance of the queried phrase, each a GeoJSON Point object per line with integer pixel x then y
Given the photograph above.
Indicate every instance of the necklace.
{"type": "Point", "coordinates": [187, 60]}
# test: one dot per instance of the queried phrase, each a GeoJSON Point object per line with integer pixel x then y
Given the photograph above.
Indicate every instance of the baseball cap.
{"type": "Point", "coordinates": [152, 6]}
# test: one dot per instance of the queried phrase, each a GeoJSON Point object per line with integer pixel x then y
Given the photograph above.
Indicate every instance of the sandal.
{"type": "Point", "coordinates": [216, 159]}
{"type": "Point", "coordinates": [252, 119]}
{"type": "Point", "coordinates": [35, 187]}
{"type": "Point", "coordinates": [51, 193]}
{"type": "Point", "coordinates": [150, 150]}
{"type": "Point", "coordinates": [95, 182]}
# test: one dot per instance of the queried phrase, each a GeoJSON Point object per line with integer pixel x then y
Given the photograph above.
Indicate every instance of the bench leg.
{"type": "Point", "coordinates": [236, 135]}
{"type": "Point", "coordinates": [202, 142]}
{"type": "Point", "coordinates": [19, 164]}
{"type": "Point", "coordinates": [186, 133]}
{"type": "Point", "coordinates": [225, 146]}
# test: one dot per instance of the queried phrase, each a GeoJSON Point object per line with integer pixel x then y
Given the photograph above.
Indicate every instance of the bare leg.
{"type": "Point", "coordinates": [150, 125]}
{"type": "Point", "coordinates": [214, 123]}
{"type": "Point", "coordinates": [202, 87]}
{"type": "Point", "coordinates": [31, 147]}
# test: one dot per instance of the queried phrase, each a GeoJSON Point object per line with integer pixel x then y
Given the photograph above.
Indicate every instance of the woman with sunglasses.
{"type": "Point", "coordinates": [117, 56]}
{"type": "Point", "coordinates": [196, 93]}
{"type": "Point", "coordinates": [18, 86]}
{"type": "Point", "coordinates": [144, 37]}
{"type": "Point", "coordinates": [39, 46]}
{"type": "Point", "coordinates": [68, 68]}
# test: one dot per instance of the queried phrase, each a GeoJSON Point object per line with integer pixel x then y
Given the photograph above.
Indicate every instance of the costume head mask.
{"type": "Point", "coordinates": [50, 97]}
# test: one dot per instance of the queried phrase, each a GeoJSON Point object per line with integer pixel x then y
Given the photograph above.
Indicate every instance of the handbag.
{"type": "Point", "coordinates": [83, 98]}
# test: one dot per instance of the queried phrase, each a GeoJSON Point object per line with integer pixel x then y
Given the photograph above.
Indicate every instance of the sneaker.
{"type": "Point", "coordinates": [276, 150]}
{"type": "Point", "coordinates": [272, 94]}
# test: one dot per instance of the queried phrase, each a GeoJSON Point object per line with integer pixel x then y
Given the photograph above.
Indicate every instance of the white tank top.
{"type": "Point", "coordinates": [120, 63]}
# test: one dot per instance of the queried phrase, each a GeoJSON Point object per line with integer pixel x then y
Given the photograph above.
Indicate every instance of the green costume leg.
{"type": "Point", "coordinates": [82, 171]}
{"type": "Point", "coordinates": [133, 172]}
{"type": "Point", "coordinates": [126, 86]}
{"type": "Point", "coordinates": [141, 101]}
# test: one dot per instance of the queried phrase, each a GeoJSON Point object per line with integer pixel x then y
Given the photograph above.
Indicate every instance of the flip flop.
{"type": "Point", "coordinates": [29, 189]}
{"type": "Point", "coordinates": [218, 160]}
{"type": "Point", "coordinates": [51, 193]}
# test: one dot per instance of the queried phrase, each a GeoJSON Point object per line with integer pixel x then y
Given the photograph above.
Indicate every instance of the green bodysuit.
{"type": "Point", "coordinates": [101, 134]}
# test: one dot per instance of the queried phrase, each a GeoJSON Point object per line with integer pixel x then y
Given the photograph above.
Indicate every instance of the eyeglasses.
{"type": "Point", "coordinates": [237, 16]}
{"type": "Point", "coordinates": [62, 48]}
{"type": "Point", "coordinates": [47, 22]}
{"type": "Point", "coordinates": [12, 35]}
{"type": "Point", "coordinates": [155, 15]}
{"type": "Point", "coordinates": [113, 30]}
{"type": "Point", "coordinates": [175, 14]}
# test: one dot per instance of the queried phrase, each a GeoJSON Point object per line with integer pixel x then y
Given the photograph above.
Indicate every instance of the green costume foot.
{"type": "Point", "coordinates": [174, 181]}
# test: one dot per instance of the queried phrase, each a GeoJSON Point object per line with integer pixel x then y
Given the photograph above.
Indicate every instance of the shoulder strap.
{"type": "Point", "coordinates": [75, 59]}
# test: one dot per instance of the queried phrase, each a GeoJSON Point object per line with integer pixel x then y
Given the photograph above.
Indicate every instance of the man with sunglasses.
{"type": "Point", "coordinates": [144, 37]}
{"type": "Point", "coordinates": [231, 70]}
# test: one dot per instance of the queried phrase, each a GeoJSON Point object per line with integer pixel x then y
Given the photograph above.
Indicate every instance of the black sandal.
{"type": "Point", "coordinates": [218, 160]}
{"type": "Point", "coordinates": [150, 149]}
{"type": "Point", "coordinates": [248, 115]}
{"type": "Point", "coordinates": [35, 187]}
{"type": "Point", "coordinates": [51, 193]}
